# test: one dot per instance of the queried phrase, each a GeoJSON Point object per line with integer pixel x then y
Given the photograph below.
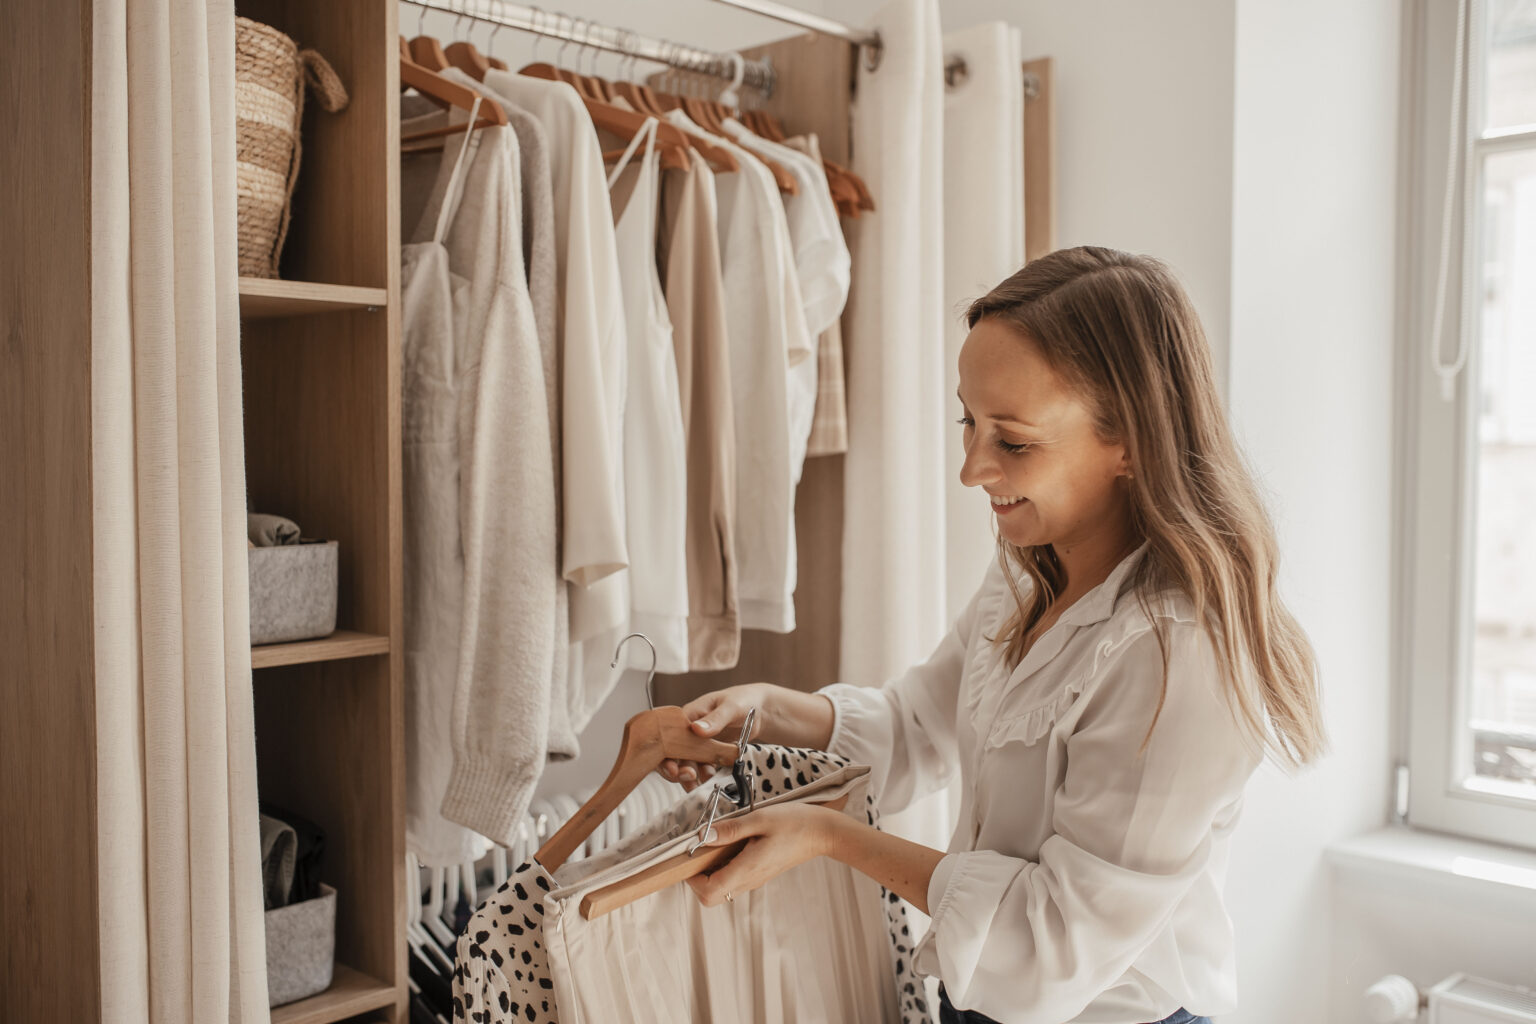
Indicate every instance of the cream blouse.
{"type": "Point", "coordinates": [1084, 878]}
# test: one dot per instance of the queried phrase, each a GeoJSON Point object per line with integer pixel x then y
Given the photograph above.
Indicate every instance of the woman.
{"type": "Point", "coordinates": [1105, 695]}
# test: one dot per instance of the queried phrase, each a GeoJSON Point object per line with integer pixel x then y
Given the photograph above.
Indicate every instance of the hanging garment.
{"type": "Point", "coordinates": [765, 318]}
{"type": "Point", "coordinates": [829, 422]}
{"type": "Point", "coordinates": [821, 267]}
{"type": "Point", "coordinates": [809, 946]}
{"type": "Point", "coordinates": [983, 243]}
{"type": "Point", "coordinates": [1079, 830]}
{"type": "Point", "coordinates": [592, 360]}
{"type": "Point", "coordinates": [822, 264]}
{"type": "Point", "coordinates": [688, 247]}
{"type": "Point", "coordinates": [480, 530]}
{"type": "Point", "coordinates": [540, 263]}
{"type": "Point", "coordinates": [655, 456]}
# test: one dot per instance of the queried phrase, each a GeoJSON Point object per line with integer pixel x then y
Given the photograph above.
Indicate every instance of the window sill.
{"type": "Point", "coordinates": [1450, 863]}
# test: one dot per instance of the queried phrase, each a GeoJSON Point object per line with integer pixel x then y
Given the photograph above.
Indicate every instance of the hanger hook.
{"type": "Point", "coordinates": [421, 21]}
{"type": "Point", "coordinates": [591, 48]}
{"type": "Point", "coordinates": [536, 25]}
{"type": "Point", "coordinates": [490, 40]}
{"type": "Point", "coordinates": [563, 34]}
{"type": "Point", "coordinates": [650, 700]}
{"type": "Point", "coordinates": [730, 96]}
{"type": "Point", "coordinates": [458, 19]}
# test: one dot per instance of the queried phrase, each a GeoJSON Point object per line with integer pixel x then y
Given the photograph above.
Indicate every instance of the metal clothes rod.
{"type": "Point", "coordinates": [756, 74]}
{"type": "Point", "coordinates": [868, 42]}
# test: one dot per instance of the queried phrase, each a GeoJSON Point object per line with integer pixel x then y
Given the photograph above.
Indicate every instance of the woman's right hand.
{"type": "Point", "coordinates": [784, 716]}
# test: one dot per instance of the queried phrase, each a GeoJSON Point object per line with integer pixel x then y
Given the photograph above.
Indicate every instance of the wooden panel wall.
{"type": "Point", "coordinates": [814, 93]}
{"type": "Point", "coordinates": [1039, 159]}
{"type": "Point", "coordinates": [48, 883]}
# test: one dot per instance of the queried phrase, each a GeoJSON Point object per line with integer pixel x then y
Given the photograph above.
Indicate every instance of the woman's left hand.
{"type": "Point", "coordinates": [778, 838]}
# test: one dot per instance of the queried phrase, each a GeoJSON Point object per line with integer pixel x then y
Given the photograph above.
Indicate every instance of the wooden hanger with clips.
{"type": "Point", "coordinates": [649, 738]}
{"type": "Point", "coordinates": [697, 859]}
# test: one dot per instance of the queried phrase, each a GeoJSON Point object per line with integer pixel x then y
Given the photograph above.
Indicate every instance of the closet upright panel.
{"type": "Point", "coordinates": [813, 94]}
{"type": "Point", "coordinates": [323, 448]}
{"type": "Point", "coordinates": [48, 884]}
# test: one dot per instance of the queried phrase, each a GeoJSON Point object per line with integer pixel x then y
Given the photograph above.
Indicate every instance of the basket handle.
{"type": "Point", "coordinates": [322, 78]}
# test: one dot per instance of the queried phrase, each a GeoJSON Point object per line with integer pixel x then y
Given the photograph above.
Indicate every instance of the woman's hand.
{"type": "Point", "coordinates": [718, 715]}
{"type": "Point", "coordinates": [785, 716]}
{"type": "Point", "coordinates": [778, 838]}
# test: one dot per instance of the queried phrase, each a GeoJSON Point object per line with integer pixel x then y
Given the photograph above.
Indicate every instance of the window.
{"type": "Point", "coordinates": [1469, 495]}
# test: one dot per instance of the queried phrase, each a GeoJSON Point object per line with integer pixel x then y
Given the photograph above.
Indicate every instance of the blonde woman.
{"type": "Point", "coordinates": [1105, 695]}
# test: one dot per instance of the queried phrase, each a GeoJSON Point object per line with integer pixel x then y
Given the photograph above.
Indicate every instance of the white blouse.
{"type": "Point", "coordinates": [1084, 878]}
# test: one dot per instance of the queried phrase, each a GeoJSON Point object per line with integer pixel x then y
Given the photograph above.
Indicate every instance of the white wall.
{"type": "Point", "coordinates": [1144, 127]}
{"type": "Point", "coordinates": [1311, 396]}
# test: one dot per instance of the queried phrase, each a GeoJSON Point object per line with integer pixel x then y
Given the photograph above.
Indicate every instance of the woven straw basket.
{"type": "Point", "coordinates": [270, 75]}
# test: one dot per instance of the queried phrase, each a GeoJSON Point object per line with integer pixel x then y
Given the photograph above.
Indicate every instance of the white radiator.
{"type": "Point", "coordinates": [1460, 999]}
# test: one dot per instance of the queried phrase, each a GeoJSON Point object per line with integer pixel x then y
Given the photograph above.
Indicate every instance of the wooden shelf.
{"type": "Point", "coordinates": [351, 993]}
{"type": "Point", "coordinates": [261, 298]}
{"type": "Point", "coordinates": [344, 643]}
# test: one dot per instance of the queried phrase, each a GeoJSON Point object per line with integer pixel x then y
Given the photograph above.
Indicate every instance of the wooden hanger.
{"type": "Point", "coordinates": [623, 123]}
{"type": "Point", "coordinates": [447, 94]}
{"type": "Point", "coordinates": [428, 52]}
{"type": "Point", "coordinates": [668, 873]}
{"type": "Point", "coordinates": [866, 200]}
{"type": "Point", "coordinates": [702, 118]}
{"type": "Point", "coordinates": [641, 97]}
{"type": "Point", "coordinates": [720, 159]}
{"type": "Point", "coordinates": [465, 57]}
{"type": "Point", "coordinates": [649, 738]}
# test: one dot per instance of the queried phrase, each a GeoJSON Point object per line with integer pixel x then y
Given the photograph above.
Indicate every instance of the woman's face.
{"type": "Point", "coordinates": [1031, 446]}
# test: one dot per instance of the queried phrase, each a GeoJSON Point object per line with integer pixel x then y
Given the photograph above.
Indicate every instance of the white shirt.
{"type": "Point", "coordinates": [766, 322]}
{"type": "Point", "coordinates": [1084, 878]}
{"type": "Point", "coordinates": [822, 266]}
{"type": "Point", "coordinates": [822, 262]}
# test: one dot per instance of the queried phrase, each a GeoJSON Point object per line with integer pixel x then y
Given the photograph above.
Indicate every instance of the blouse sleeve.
{"type": "Point", "coordinates": [905, 730]}
{"type": "Point", "coordinates": [1036, 941]}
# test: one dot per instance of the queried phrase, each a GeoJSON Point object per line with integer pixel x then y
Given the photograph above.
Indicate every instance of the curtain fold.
{"type": "Point", "coordinates": [894, 492]}
{"type": "Point", "coordinates": [983, 243]}
{"type": "Point", "coordinates": [893, 536]}
{"type": "Point", "coordinates": [181, 907]}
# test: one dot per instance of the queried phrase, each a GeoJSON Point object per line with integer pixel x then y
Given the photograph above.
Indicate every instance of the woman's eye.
{"type": "Point", "coordinates": [1012, 449]}
{"type": "Point", "coordinates": [966, 421]}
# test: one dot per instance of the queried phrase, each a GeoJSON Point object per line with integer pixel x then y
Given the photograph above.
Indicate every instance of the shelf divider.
{"type": "Point", "coordinates": [351, 993]}
{"type": "Point", "coordinates": [344, 643]}
{"type": "Point", "coordinates": [263, 298]}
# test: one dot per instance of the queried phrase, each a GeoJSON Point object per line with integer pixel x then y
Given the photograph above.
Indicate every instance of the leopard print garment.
{"type": "Point", "coordinates": [501, 974]}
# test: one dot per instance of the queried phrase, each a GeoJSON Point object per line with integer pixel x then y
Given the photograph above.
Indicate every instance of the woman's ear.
{"type": "Point", "coordinates": [1123, 465]}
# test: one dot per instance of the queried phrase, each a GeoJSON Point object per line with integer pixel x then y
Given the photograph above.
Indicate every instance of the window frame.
{"type": "Point", "coordinates": [1438, 439]}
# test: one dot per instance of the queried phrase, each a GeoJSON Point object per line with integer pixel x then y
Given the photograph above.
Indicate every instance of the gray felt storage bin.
{"type": "Point", "coordinates": [301, 948]}
{"type": "Point", "coordinates": [293, 591]}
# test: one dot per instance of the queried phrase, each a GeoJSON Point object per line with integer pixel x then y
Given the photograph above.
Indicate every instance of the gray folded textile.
{"type": "Point", "coordinates": [268, 531]}
{"type": "Point", "coordinates": [279, 850]}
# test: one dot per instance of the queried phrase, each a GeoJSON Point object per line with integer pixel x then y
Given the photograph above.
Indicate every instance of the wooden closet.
{"type": "Point", "coordinates": [321, 354]}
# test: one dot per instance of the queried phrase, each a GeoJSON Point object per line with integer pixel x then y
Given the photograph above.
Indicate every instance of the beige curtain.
{"type": "Point", "coordinates": [181, 911]}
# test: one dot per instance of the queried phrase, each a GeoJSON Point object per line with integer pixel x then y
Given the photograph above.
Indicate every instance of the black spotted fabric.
{"type": "Point", "coordinates": [501, 974]}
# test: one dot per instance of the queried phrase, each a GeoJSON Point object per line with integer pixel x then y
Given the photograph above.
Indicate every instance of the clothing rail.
{"type": "Point", "coordinates": [868, 42]}
{"type": "Point", "coordinates": [756, 74]}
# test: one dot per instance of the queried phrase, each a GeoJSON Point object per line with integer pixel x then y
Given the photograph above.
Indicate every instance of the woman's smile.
{"type": "Point", "coordinates": [1002, 506]}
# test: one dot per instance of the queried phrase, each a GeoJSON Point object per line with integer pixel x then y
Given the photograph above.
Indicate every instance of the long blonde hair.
{"type": "Point", "coordinates": [1121, 331]}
